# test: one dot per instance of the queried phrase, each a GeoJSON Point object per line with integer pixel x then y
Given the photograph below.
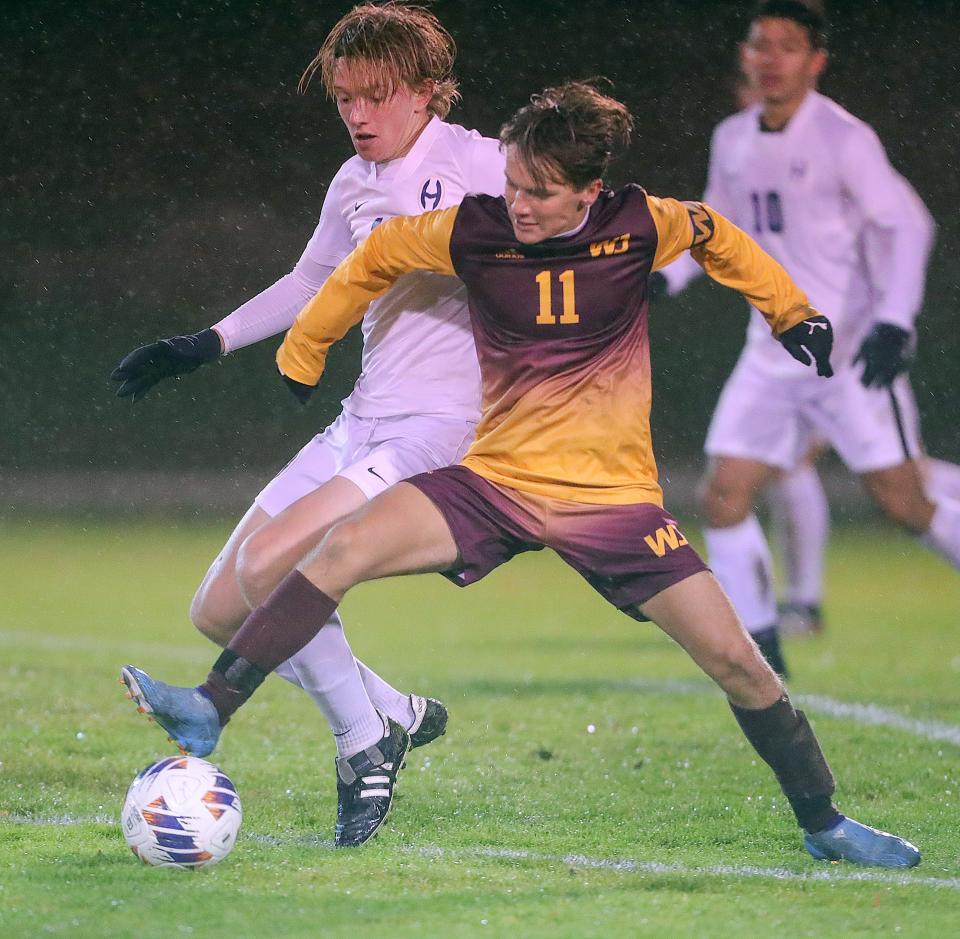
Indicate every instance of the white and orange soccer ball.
{"type": "Point", "coordinates": [181, 812]}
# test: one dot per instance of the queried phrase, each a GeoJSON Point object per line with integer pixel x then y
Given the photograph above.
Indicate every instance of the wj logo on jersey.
{"type": "Point", "coordinates": [613, 246]}
{"type": "Point", "coordinates": [665, 539]}
{"type": "Point", "coordinates": [432, 192]}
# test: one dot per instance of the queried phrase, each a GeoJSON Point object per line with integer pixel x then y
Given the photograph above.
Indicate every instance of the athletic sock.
{"type": "Point", "coordinates": [740, 559]}
{"type": "Point", "coordinates": [364, 732]}
{"type": "Point", "coordinates": [942, 479]}
{"type": "Point", "coordinates": [386, 698]}
{"type": "Point", "coordinates": [322, 668]}
{"type": "Point", "coordinates": [801, 517]}
{"type": "Point", "coordinates": [785, 741]}
{"type": "Point", "coordinates": [231, 681]}
{"type": "Point", "coordinates": [276, 630]}
{"type": "Point", "coordinates": [326, 669]}
{"type": "Point", "coordinates": [943, 535]}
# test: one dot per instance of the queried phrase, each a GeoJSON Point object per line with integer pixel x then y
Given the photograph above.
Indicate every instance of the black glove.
{"type": "Point", "coordinates": [885, 353]}
{"type": "Point", "coordinates": [141, 369]}
{"type": "Point", "coordinates": [811, 337]}
{"type": "Point", "coordinates": [300, 391]}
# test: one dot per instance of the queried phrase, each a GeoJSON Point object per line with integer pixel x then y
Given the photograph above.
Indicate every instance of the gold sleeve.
{"type": "Point", "coordinates": [730, 257]}
{"type": "Point", "coordinates": [397, 247]}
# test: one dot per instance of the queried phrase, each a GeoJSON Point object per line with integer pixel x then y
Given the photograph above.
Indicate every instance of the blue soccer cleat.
{"type": "Point", "coordinates": [848, 840]}
{"type": "Point", "coordinates": [185, 714]}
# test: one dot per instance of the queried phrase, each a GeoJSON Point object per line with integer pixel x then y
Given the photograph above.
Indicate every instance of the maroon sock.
{"type": "Point", "coordinates": [277, 629]}
{"type": "Point", "coordinates": [785, 740]}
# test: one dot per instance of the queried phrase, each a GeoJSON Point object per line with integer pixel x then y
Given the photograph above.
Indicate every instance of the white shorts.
{"type": "Point", "coordinates": [372, 452]}
{"type": "Point", "coordinates": [775, 420]}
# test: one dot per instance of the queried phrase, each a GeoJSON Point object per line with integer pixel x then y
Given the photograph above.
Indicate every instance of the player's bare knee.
{"type": "Point", "coordinates": [722, 502]}
{"type": "Point", "coordinates": [340, 556]}
{"type": "Point", "coordinates": [901, 514]}
{"type": "Point", "coordinates": [736, 663]}
{"type": "Point", "coordinates": [198, 615]}
{"type": "Point", "coordinates": [256, 567]}
{"type": "Point", "coordinates": [204, 620]}
{"type": "Point", "coordinates": [739, 668]}
{"type": "Point", "coordinates": [911, 511]}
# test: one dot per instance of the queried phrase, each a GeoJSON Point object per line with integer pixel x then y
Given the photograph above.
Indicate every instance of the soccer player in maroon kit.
{"type": "Point", "coordinates": [556, 273]}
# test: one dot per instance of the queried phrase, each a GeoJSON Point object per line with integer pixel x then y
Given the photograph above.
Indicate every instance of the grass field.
{"type": "Point", "coordinates": [591, 782]}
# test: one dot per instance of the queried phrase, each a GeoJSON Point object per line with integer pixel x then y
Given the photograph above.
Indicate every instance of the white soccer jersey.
{"type": "Point", "coordinates": [418, 349]}
{"type": "Point", "coordinates": [821, 197]}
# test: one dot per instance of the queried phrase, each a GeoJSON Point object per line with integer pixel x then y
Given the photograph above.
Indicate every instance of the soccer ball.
{"type": "Point", "coordinates": [181, 812]}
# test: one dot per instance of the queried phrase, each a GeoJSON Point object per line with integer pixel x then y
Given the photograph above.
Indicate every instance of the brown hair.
{"type": "Point", "coordinates": [570, 133]}
{"type": "Point", "coordinates": [390, 45]}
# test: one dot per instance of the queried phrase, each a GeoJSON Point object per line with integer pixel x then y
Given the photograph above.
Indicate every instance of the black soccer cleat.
{"type": "Point", "coordinates": [365, 786]}
{"type": "Point", "coordinates": [768, 641]}
{"type": "Point", "coordinates": [430, 721]}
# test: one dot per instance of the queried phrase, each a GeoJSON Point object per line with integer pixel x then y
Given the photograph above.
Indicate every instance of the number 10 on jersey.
{"type": "Point", "coordinates": [546, 316]}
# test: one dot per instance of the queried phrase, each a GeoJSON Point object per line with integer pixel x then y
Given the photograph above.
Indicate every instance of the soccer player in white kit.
{"type": "Point", "coordinates": [800, 512]}
{"type": "Point", "coordinates": [416, 403]}
{"type": "Point", "coordinates": [812, 184]}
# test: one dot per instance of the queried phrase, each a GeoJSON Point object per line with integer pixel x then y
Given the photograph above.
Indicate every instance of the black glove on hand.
{"type": "Point", "coordinates": [812, 337]}
{"type": "Point", "coordinates": [141, 369]}
{"type": "Point", "coordinates": [300, 391]}
{"type": "Point", "coordinates": [885, 353]}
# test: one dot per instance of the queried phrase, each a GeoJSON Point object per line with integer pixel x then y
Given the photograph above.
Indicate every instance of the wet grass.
{"type": "Point", "coordinates": [591, 783]}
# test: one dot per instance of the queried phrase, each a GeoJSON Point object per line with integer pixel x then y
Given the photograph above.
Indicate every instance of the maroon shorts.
{"type": "Point", "coordinates": [627, 553]}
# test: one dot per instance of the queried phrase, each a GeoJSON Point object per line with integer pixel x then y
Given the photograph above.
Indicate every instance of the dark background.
{"type": "Point", "coordinates": [159, 168]}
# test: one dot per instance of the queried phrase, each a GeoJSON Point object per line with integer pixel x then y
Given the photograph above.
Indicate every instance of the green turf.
{"type": "Point", "coordinates": [527, 661]}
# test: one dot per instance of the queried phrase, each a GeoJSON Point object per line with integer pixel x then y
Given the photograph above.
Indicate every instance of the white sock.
{"type": "Point", "coordinates": [740, 558]}
{"type": "Point", "coordinates": [944, 532]}
{"type": "Point", "coordinates": [942, 479]}
{"type": "Point", "coordinates": [801, 517]}
{"type": "Point", "coordinates": [386, 698]}
{"type": "Point", "coordinates": [326, 670]}
{"type": "Point", "coordinates": [383, 696]}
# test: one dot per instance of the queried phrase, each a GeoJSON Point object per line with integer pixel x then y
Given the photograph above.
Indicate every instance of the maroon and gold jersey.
{"type": "Point", "coordinates": [560, 328]}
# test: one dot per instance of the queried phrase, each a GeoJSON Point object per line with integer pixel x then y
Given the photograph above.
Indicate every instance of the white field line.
{"type": "Point", "coordinates": [56, 821]}
{"type": "Point", "coordinates": [830, 873]}
{"type": "Point", "coordinates": [123, 649]}
{"type": "Point", "coordinates": [871, 715]}
{"type": "Point", "coordinates": [876, 716]}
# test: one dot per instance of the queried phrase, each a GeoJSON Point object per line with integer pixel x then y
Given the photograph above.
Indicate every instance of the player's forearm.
{"type": "Point", "coordinates": [326, 318]}
{"type": "Point", "coordinates": [270, 312]}
{"type": "Point", "coordinates": [898, 230]}
{"type": "Point", "coordinates": [734, 259]}
{"type": "Point", "coordinates": [364, 275]}
{"type": "Point", "coordinates": [729, 256]}
{"type": "Point", "coordinates": [399, 246]}
{"type": "Point", "coordinates": [898, 268]}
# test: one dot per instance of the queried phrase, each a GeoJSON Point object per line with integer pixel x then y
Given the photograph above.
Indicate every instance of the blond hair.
{"type": "Point", "coordinates": [390, 45]}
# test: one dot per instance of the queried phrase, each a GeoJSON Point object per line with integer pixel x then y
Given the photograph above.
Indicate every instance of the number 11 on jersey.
{"type": "Point", "coordinates": [546, 316]}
